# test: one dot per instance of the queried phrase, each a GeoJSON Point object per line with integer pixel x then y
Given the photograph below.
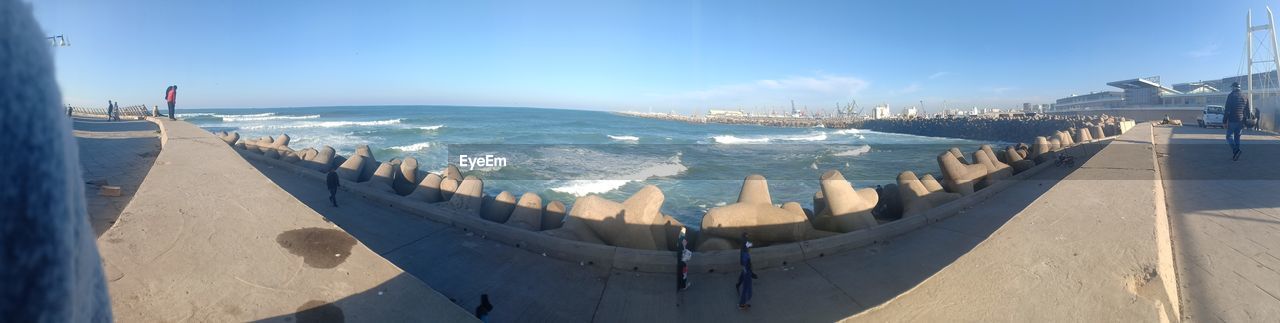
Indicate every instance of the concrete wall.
{"type": "Point", "coordinates": [653, 260]}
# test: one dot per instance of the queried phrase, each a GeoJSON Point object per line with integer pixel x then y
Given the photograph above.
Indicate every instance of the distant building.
{"type": "Point", "coordinates": [724, 113]}
{"type": "Point", "coordinates": [910, 112]}
{"type": "Point", "coordinates": [1147, 92]}
{"type": "Point", "coordinates": [882, 112]}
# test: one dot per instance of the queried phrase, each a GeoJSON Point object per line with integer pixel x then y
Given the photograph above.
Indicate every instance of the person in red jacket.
{"type": "Point", "coordinates": [171, 96]}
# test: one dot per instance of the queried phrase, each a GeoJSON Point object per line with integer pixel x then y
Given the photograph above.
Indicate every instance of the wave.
{"type": "Point", "coordinates": [854, 152]}
{"type": "Point", "coordinates": [731, 140]}
{"type": "Point", "coordinates": [624, 138]}
{"type": "Point", "coordinates": [195, 114]}
{"type": "Point", "coordinates": [414, 147]}
{"type": "Point", "coordinates": [325, 124]}
{"type": "Point", "coordinates": [671, 167]}
{"type": "Point", "coordinates": [432, 128]}
{"type": "Point", "coordinates": [849, 131]}
{"type": "Point", "coordinates": [587, 187]}
{"type": "Point", "coordinates": [268, 114]}
{"type": "Point", "coordinates": [813, 137]}
{"type": "Point", "coordinates": [266, 118]}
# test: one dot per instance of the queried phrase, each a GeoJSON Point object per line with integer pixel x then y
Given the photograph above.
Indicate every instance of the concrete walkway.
{"type": "Point", "coordinates": [117, 153]}
{"type": "Point", "coordinates": [1042, 249]}
{"type": "Point", "coordinates": [208, 238]}
{"type": "Point", "coordinates": [1226, 223]}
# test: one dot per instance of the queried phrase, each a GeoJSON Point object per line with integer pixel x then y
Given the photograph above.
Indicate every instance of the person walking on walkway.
{"type": "Point", "coordinates": [748, 274]}
{"type": "Point", "coordinates": [682, 262]}
{"type": "Point", "coordinates": [330, 180]}
{"type": "Point", "coordinates": [682, 265]}
{"type": "Point", "coordinates": [482, 311]}
{"type": "Point", "coordinates": [171, 97]}
{"type": "Point", "coordinates": [1236, 112]}
{"type": "Point", "coordinates": [110, 106]}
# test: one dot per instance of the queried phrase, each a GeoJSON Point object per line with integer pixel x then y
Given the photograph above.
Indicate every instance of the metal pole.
{"type": "Point", "coordinates": [1275, 58]}
{"type": "Point", "coordinates": [1248, 50]}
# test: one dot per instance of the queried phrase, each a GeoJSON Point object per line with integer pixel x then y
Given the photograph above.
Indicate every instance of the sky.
{"type": "Point", "coordinates": [633, 55]}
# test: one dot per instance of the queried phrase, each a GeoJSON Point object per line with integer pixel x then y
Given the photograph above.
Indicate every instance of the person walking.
{"type": "Point", "coordinates": [482, 311]}
{"type": "Point", "coordinates": [1236, 112]}
{"type": "Point", "coordinates": [330, 180]}
{"type": "Point", "coordinates": [171, 97]}
{"type": "Point", "coordinates": [110, 106]}
{"type": "Point", "coordinates": [682, 262]}
{"type": "Point", "coordinates": [748, 274]}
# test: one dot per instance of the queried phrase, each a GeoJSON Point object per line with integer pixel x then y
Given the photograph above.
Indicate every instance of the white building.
{"type": "Point", "coordinates": [910, 112]}
{"type": "Point", "coordinates": [882, 112]}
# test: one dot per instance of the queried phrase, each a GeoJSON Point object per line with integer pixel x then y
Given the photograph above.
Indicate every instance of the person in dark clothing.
{"type": "Point", "coordinates": [748, 274]}
{"type": "Point", "coordinates": [1236, 112]}
{"type": "Point", "coordinates": [482, 311]}
{"type": "Point", "coordinates": [331, 180]}
{"type": "Point", "coordinates": [110, 107]}
{"type": "Point", "coordinates": [682, 261]}
{"type": "Point", "coordinates": [171, 97]}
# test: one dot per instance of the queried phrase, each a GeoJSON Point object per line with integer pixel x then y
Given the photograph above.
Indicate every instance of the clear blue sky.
{"type": "Point", "coordinates": [615, 55]}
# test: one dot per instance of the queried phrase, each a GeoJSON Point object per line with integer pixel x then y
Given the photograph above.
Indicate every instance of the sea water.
{"type": "Point", "coordinates": [565, 154]}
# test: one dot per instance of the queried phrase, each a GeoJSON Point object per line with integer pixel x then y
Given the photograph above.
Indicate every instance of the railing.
{"type": "Point", "coordinates": [136, 111]}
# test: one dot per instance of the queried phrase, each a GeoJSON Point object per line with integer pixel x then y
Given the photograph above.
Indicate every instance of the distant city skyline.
{"type": "Point", "coordinates": [633, 55]}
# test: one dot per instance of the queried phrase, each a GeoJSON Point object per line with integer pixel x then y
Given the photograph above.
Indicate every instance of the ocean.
{"type": "Point", "coordinates": [564, 154]}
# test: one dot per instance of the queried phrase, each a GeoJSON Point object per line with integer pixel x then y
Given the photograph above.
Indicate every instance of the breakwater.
{"type": "Point", "coordinates": [1004, 128]}
{"type": "Point", "coordinates": [634, 233]}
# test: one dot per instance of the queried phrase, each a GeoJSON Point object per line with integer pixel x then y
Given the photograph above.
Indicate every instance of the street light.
{"type": "Point", "coordinates": [58, 41]}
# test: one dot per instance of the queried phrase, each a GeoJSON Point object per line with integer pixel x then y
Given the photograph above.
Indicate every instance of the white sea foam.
{"type": "Point", "coordinates": [732, 140]}
{"type": "Point", "coordinates": [847, 132]}
{"type": "Point", "coordinates": [195, 114]}
{"type": "Point", "coordinates": [414, 147]}
{"type": "Point", "coordinates": [624, 138]}
{"type": "Point", "coordinates": [586, 187]}
{"type": "Point", "coordinates": [811, 137]}
{"type": "Point", "coordinates": [268, 114]}
{"type": "Point", "coordinates": [432, 128]}
{"type": "Point", "coordinates": [267, 118]}
{"type": "Point", "coordinates": [670, 167]}
{"type": "Point", "coordinates": [324, 124]}
{"type": "Point", "coordinates": [854, 152]}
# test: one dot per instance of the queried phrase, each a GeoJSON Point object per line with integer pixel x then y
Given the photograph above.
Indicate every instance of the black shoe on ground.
{"type": "Point", "coordinates": [1235, 155]}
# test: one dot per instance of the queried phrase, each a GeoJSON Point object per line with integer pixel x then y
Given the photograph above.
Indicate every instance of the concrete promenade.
{"type": "Point", "coordinates": [1225, 217]}
{"type": "Point", "coordinates": [118, 153]}
{"type": "Point", "coordinates": [206, 237]}
{"type": "Point", "coordinates": [1083, 248]}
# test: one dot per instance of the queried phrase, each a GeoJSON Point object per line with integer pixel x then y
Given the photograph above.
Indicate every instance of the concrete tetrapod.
{"type": "Point", "coordinates": [553, 216]}
{"type": "Point", "coordinates": [1042, 146]}
{"type": "Point", "coordinates": [528, 213]}
{"type": "Point", "coordinates": [917, 198]}
{"type": "Point", "coordinates": [1016, 161]}
{"type": "Point", "coordinates": [447, 187]}
{"type": "Point", "coordinates": [958, 177]}
{"type": "Point", "coordinates": [627, 224]}
{"type": "Point", "coordinates": [498, 209]}
{"type": "Point", "coordinates": [1098, 133]}
{"type": "Point", "coordinates": [995, 169]}
{"type": "Point", "coordinates": [350, 169]}
{"type": "Point", "coordinates": [575, 227]}
{"type": "Point", "coordinates": [958, 154]}
{"type": "Point", "coordinates": [755, 214]}
{"type": "Point", "coordinates": [451, 172]}
{"type": "Point", "coordinates": [847, 210]}
{"type": "Point", "coordinates": [264, 144]}
{"type": "Point", "coordinates": [281, 141]}
{"type": "Point", "coordinates": [1082, 135]}
{"type": "Point", "coordinates": [428, 190]}
{"type": "Point", "coordinates": [469, 196]}
{"type": "Point", "coordinates": [407, 178]}
{"type": "Point", "coordinates": [383, 177]}
{"type": "Point", "coordinates": [307, 154]}
{"type": "Point", "coordinates": [323, 159]}
{"type": "Point", "coordinates": [370, 164]}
